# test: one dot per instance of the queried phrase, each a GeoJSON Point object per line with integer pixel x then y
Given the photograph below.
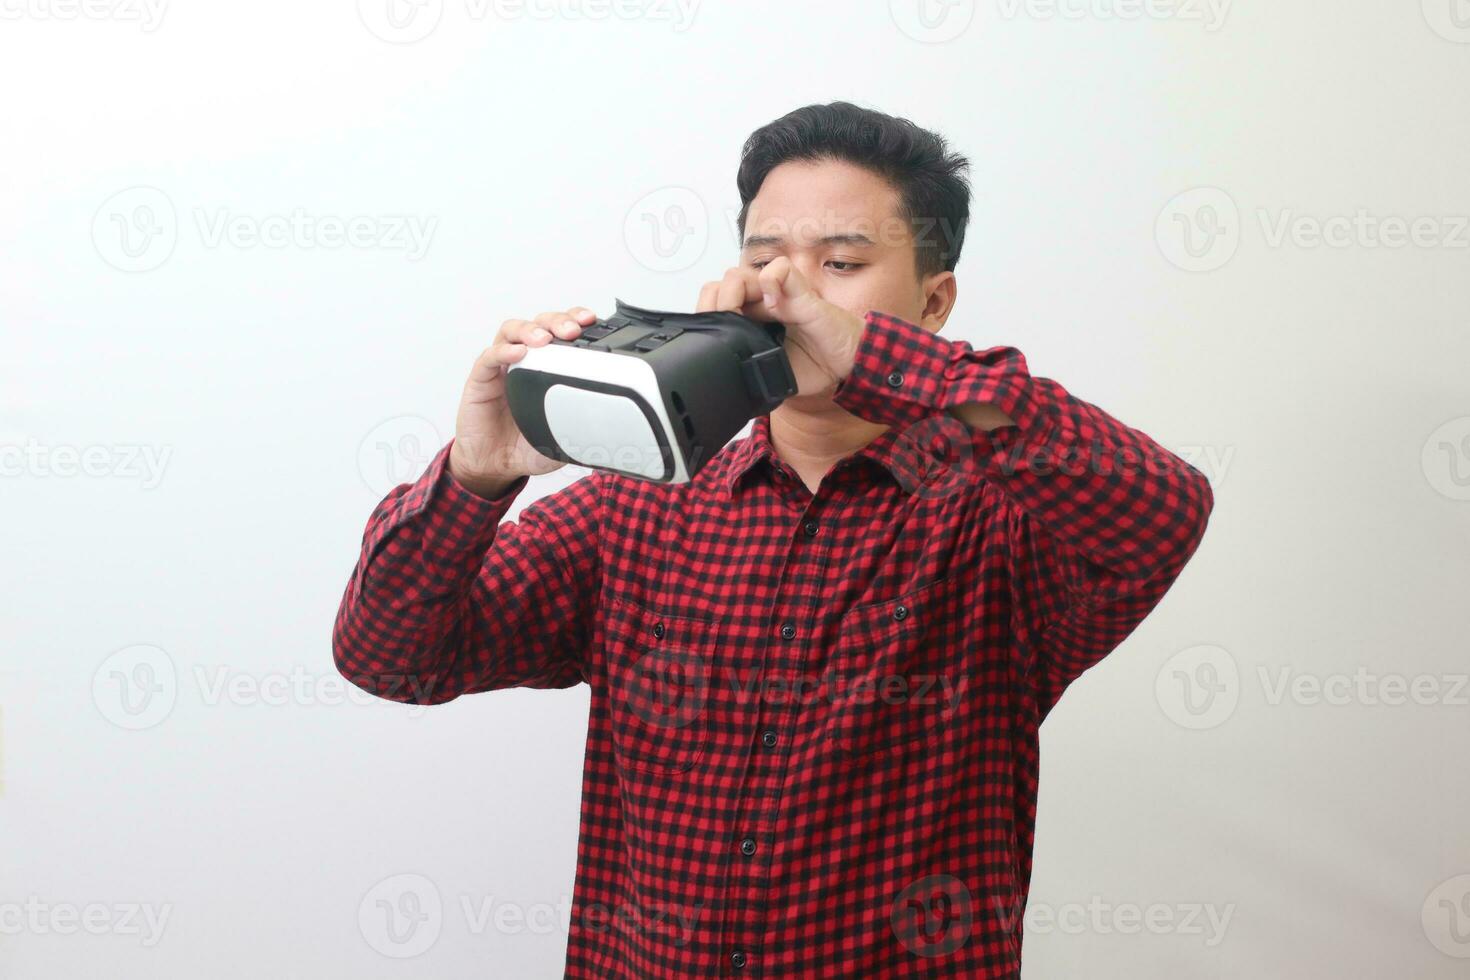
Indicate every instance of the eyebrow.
{"type": "Point", "coordinates": [854, 238]}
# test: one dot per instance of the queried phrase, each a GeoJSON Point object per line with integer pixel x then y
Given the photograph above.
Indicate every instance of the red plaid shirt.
{"type": "Point", "coordinates": [812, 748]}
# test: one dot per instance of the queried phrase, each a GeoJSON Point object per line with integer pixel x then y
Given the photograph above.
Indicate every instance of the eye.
{"type": "Point", "coordinates": [849, 266]}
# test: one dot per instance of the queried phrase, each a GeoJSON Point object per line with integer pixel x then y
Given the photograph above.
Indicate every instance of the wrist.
{"type": "Point", "coordinates": [488, 485]}
{"type": "Point", "coordinates": [485, 489]}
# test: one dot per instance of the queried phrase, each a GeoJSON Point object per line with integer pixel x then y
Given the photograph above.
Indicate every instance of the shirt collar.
{"type": "Point", "coordinates": [896, 451]}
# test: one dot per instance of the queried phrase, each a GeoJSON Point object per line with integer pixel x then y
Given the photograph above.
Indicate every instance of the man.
{"type": "Point", "coordinates": [818, 668]}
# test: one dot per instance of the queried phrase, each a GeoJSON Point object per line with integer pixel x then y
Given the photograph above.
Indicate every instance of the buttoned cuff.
{"type": "Point", "coordinates": [436, 516]}
{"type": "Point", "coordinates": [466, 517]}
{"type": "Point", "coordinates": [902, 373]}
{"type": "Point", "coordinates": [897, 372]}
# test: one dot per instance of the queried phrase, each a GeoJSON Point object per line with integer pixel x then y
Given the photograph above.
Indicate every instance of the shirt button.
{"type": "Point", "coordinates": [747, 846]}
{"type": "Point", "coordinates": [787, 631]}
{"type": "Point", "coordinates": [737, 959]}
{"type": "Point", "coordinates": [895, 378]}
{"type": "Point", "coordinates": [768, 739]}
{"type": "Point", "coordinates": [900, 612]}
{"type": "Point", "coordinates": [810, 527]}
{"type": "Point", "coordinates": [658, 630]}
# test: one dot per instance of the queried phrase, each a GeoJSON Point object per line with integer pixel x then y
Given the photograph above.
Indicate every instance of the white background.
{"type": "Point", "coordinates": [281, 390]}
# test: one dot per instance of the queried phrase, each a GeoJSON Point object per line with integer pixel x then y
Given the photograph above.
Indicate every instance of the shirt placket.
{"type": "Point", "coordinates": [778, 710]}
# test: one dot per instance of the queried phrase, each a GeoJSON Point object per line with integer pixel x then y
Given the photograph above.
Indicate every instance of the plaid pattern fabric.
{"type": "Point", "coordinates": [812, 748]}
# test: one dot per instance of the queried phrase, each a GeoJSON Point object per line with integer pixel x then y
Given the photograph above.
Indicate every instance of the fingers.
{"type": "Point", "coordinates": [708, 294]}
{"type": "Point", "coordinates": [735, 289]}
{"type": "Point", "coordinates": [516, 336]}
{"type": "Point", "coordinates": [517, 331]}
{"type": "Point", "coordinates": [511, 343]}
{"type": "Point", "coordinates": [488, 366]}
{"type": "Point", "coordinates": [738, 288]}
{"type": "Point", "coordinates": [776, 282]}
{"type": "Point", "coordinates": [566, 324]}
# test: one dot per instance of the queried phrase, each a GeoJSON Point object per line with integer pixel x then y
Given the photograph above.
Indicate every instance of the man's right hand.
{"type": "Point", "coordinates": [489, 452]}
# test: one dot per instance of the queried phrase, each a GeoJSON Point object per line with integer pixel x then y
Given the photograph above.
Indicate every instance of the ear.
{"type": "Point", "coordinates": [938, 289]}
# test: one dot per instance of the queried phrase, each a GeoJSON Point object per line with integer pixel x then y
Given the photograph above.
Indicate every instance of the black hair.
{"type": "Point", "coordinates": [934, 191]}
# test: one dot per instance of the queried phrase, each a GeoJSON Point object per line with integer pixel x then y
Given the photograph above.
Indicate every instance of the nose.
{"type": "Point", "coordinates": [810, 269]}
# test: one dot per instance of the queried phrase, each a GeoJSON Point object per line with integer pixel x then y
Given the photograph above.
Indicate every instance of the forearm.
{"type": "Point", "coordinates": [449, 599]}
{"type": "Point", "coordinates": [1102, 487]}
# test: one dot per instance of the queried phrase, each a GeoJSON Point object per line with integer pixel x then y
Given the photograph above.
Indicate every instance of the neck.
{"type": "Point", "coordinates": [811, 440]}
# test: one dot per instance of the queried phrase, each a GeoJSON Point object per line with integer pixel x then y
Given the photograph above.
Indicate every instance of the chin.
{"type": "Point", "coordinates": [816, 401]}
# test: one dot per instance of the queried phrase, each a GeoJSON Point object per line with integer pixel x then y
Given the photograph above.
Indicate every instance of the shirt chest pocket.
{"type": "Point", "coordinates": [660, 670]}
{"type": "Point", "coordinates": [897, 671]}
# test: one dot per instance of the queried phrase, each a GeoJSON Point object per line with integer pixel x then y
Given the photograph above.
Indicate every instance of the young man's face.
{"type": "Point", "coordinates": [839, 225]}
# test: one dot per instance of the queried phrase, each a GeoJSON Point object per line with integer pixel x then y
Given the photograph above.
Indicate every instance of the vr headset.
{"type": "Point", "coordinates": [649, 394]}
